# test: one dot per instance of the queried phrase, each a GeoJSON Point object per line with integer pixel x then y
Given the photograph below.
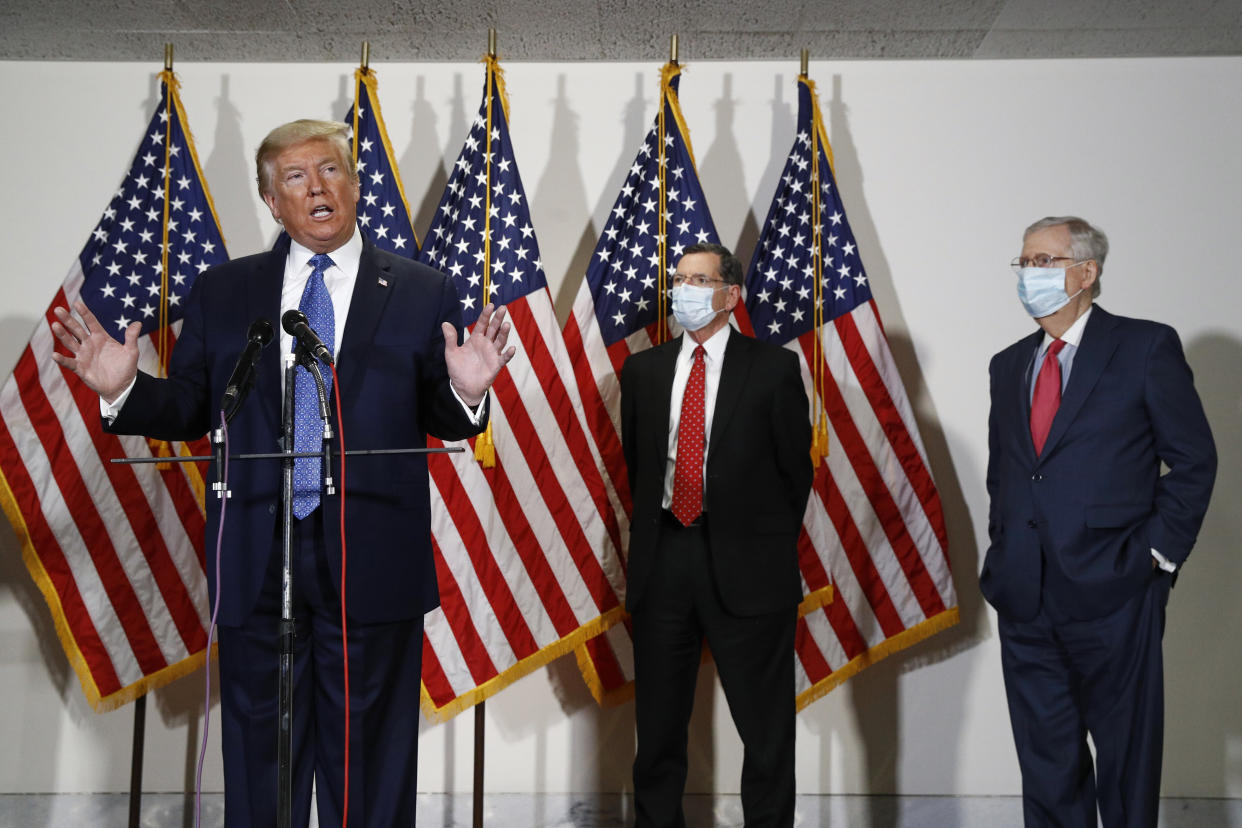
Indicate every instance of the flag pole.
{"type": "Point", "coordinates": [480, 709]}
{"type": "Point", "coordinates": [366, 55]}
{"type": "Point", "coordinates": [138, 742]}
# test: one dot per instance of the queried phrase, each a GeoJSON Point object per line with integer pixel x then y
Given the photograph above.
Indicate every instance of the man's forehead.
{"type": "Point", "coordinates": [1056, 236]}
{"type": "Point", "coordinates": [698, 263]}
{"type": "Point", "coordinates": [313, 151]}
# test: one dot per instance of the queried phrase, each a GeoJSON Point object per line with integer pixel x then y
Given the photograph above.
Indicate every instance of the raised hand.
{"type": "Point", "coordinates": [104, 364]}
{"type": "Point", "coordinates": [473, 366]}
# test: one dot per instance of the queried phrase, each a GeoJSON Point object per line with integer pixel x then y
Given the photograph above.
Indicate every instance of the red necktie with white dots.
{"type": "Point", "coordinates": [687, 502]}
{"type": "Point", "coordinates": [1047, 397]}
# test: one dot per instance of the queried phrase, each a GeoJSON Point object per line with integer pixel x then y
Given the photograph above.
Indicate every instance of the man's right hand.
{"type": "Point", "coordinates": [104, 364]}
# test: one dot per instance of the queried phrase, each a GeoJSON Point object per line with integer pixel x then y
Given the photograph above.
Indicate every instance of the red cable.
{"type": "Point", "coordinates": [340, 436]}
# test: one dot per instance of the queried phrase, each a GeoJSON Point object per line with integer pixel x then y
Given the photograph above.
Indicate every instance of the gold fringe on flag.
{"type": "Point", "coordinates": [484, 444]}
{"type": "Point", "coordinates": [819, 418]}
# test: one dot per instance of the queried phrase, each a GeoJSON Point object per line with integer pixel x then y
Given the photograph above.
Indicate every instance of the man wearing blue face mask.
{"type": "Point", "coordinates": [716, 433]}
{"type": "Point", "coordinates": [1086, 534]}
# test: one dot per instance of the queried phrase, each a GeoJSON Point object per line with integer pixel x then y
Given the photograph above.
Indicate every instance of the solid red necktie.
{"type": "Point", "coordinates": [1047, 397]}
{"type": "Point", "coordinates": [687, 502]}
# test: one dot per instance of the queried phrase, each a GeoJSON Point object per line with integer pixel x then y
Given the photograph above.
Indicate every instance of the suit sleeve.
{"type": "Point", "coordinates": [176, 408]}
{"type": "Point", "coordinates": [442, 413]}
{"type": "Point", "coordinates": [994, 457]}
{"type": "Point", "coordinates": [629, 423]}
{"type": "Point", "coordinates": [1183, 441]}
{"type": "Point", "coordinates": [792, 434]}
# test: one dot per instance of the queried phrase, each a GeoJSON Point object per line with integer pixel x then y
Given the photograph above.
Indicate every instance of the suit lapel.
{"type": "Point", "coordinates": [1094, 352]}
{"type": "Point", "coordinates": [1021, 397]}
{"type": "Point", "coordinates": [371, 291]}
{"type": "Point", "coordinates": [733, 373]}
{"type": "Point", "coordinates": [263, 294]}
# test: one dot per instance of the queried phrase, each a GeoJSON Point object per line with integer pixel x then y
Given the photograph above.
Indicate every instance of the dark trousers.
{"type": "Point", "coordinates": [385, 679]}
{"type": "Point", "coordinates": [1104, 677]}
{"type": "Point", "coordinates": [755, 660]}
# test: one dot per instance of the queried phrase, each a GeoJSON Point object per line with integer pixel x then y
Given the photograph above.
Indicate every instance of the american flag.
{"type": "Point", "coordinates": [383, 213]}
{"type": "Point", "coordinates": [874, 526]}
{"type": "Point", "coordinates": [117, 550]}
{"type": "Point", "coordinates": [622, 307]}
{"type": "Point", "coordinates": [525, 549]}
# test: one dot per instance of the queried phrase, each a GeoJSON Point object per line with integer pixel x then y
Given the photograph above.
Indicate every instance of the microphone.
{"type": "Point", "coordinates": [259, 334]}
{"type": "Point", "coordinates": [294, 322]}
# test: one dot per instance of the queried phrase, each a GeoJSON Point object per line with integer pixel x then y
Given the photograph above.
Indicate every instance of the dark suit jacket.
{"type": "Point", "coordinates": [1093, 505]}
{"type": "Point", "coordinates": [394, 390]}
{"type": "Point", "coordinates": [758, 470]}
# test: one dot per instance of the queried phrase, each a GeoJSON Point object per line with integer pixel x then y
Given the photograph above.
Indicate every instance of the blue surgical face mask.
{"type": "Point", "coordinates": [1042, 290]}
{"type": "Point", "coordinates": [692, 306]}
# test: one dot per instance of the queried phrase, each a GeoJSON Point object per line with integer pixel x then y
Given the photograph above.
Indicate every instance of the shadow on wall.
{"type": "Point", "coordinates": [876, 693]}
{"type": "Point", "coordinates": [425, 144]}
{"type": "Point", "coordinates": [634, 126]}
{"type": "Point", "coordinates": [1202, 669]}
{"type": "Point", "coordinates": [229, 171]}
{"type": "Point", "coordinates": [425, 149]}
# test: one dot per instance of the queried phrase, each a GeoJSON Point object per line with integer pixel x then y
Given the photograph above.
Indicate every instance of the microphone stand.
{"type": "Point", "coordinates": [284, 697]}
{"type": "Point", "coordinates": [287, 456]}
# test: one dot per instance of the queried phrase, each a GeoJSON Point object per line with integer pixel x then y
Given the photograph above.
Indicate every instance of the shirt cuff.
{"type": "Point", "coordinates": [109, 410]}
{"type": "Point", "coordinates": [1163, 562]}
{"type": "Point", "coordinates": [476, 413]}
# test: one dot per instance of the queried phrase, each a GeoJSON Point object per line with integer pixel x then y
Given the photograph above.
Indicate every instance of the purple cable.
{"type": "Point", "coordinates": [211, 630]}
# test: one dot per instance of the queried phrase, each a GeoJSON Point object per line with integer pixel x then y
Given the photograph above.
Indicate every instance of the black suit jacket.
{"type": "Point", "coordinates": [1075, 526]}
{"type": "Point", "coordinates": [758, 470]}
{"type": "Point", "coordinates": [394, 391]}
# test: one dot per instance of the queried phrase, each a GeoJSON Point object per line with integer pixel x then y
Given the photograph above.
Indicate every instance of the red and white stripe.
{"type": "Point", "coordinates": [116, 549]}
{"type": "Point", "coordinates": [527, 551]}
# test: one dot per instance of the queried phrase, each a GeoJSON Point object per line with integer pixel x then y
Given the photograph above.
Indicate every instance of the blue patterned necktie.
{"type": "Point", "coordinates": [307, 426]}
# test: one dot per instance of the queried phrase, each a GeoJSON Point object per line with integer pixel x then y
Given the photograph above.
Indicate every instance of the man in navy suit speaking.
{"type": "Point", "coordinates": [1086, 532]}
{"type": "Point", "coordinates": [392, 326]}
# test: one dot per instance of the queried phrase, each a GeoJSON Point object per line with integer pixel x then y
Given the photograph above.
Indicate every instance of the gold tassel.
{"type": "Point", "coordinates": [819, 440]}
{"type": "Point", "coordinates": [485, 448]}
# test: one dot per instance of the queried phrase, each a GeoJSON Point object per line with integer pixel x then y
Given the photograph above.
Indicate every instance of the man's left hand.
{"type": "Point", "coordinates": [473, 366]}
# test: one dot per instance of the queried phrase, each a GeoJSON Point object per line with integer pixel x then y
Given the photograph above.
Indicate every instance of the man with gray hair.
{"type": "Point", "coordinates": [392, 326]}
{"type": "Point", "coordinates": [1086, 533]}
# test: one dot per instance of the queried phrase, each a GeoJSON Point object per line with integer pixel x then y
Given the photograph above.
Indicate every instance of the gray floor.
{"type": "Point", "coordinates": [604, 811]}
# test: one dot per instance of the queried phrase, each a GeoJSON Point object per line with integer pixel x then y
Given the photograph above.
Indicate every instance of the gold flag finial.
{"type": "Point", "coordinates": [672, 49]}
{"type": "Point", "coordinates": [491, 43]}
{"type": "Point", "coordinates": [168, 56]}
{"type": "Point", "coordinates": [806, 61]}
{"type": "Point", "coordinates": [366, 55]}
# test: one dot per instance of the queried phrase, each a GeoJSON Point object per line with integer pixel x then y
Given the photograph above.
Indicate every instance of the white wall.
{"type": "Point", "coordinates": [941, 164]}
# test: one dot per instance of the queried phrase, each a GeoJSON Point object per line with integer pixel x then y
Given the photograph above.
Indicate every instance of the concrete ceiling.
{"type": "Point", "coordinates": [559, 30]}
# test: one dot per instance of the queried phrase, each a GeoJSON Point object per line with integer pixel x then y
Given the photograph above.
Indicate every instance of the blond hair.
{"type": "Point", "coordinates": [299, 132]}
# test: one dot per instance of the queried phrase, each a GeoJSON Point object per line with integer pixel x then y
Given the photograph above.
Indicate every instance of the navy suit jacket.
{"type": "Point", "coordinates": [758, 470]}
{"type": "Point", "coordinates": [1074, 527]}
{"type": "Point", "coordinates": [394, 390]}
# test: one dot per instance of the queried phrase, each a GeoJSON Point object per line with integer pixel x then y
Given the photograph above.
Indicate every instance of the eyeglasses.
{"type": "Point", "coordinates": [1042, 260]}
{"type": "Point", "coordinates": [696, 280]}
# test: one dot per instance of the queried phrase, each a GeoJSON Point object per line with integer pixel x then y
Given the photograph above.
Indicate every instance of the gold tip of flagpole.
{"type": "Point", "coordinates": [168, 57]}
{"type": "Point", "coordinates": [491, 43]}
{"type": "Point", "coordinates": [366, 55]}
{"type": "Point", "coordinates": [672, 49]}
{"type": "Point", "coordinates": [806, 61]}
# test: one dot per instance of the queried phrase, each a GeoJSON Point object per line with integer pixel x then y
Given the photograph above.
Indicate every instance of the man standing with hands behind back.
{"type": "Point", "coordinates": [1086, 533]}
{"type": "Point", "coordinates": [716, 433]}
{"type": "Point", "coordinates": [392, 326]}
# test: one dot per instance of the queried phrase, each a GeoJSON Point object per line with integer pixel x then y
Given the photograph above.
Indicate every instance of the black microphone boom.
{"type": "Point", "coordinates": [257, 337]}
{"type": "Point", "coordinates": [295, 324]}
